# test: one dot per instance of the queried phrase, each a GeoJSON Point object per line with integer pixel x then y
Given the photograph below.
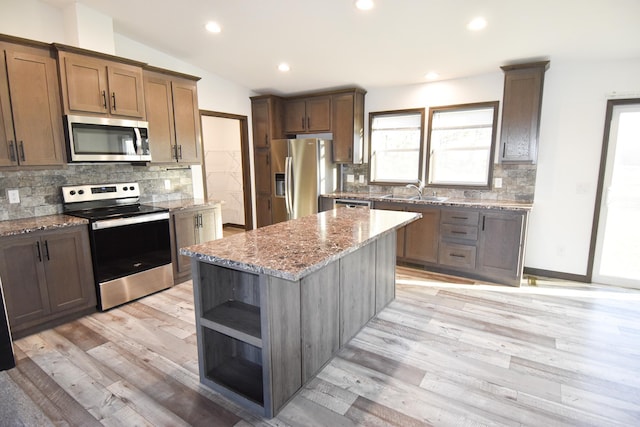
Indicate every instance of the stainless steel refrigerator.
{"type": "Point", "coordinates": [301, 171]}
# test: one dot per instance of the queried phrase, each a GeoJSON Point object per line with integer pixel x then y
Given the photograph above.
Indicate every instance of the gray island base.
{"type": "Point", "coordinates": [275, 304]}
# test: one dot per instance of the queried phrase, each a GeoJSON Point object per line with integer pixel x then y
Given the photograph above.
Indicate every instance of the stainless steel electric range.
{"type": "Point", "coordinates": [130, 243]}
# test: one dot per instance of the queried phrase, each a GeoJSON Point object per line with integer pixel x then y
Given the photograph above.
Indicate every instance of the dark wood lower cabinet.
{"type": "Point", "coordinates": [47, 276]}
{"type": "Point", "coordinates": [190, 227]}
{"type": "Point", "coordinates": [486, 244]}
{"type": "Point", "coordinates": [501, 245]}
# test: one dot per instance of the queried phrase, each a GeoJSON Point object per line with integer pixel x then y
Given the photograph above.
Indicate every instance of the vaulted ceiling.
{"type": "Point", "coordinates": [331, 44]}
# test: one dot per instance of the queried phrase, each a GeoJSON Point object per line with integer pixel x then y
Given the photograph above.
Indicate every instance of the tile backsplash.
{"type": "Point", "coordinates": [40, 194]}
{"type": "Point", "coordinates": [518, 184]}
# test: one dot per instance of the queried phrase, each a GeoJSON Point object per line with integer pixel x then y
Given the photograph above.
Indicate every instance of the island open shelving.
{"type": "Point", "coordinates": [272, 310]}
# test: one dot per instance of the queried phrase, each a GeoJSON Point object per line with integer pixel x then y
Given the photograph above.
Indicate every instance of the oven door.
{"type": "Point", "coordinates": [131, 257]}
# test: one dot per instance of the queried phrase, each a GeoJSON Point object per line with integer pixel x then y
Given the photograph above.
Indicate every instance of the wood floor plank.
{"type": "Point", "coordinates": [446, 352]}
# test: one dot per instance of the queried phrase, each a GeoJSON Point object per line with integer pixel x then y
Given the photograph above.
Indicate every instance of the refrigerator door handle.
{"type": "Point", "coordinates": [287, 185]}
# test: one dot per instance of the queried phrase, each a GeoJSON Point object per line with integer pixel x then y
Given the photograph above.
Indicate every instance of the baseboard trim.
{"type": "Point", "coordinates": [555, 275]}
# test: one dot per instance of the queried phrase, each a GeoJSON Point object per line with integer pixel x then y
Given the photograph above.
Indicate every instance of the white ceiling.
{"type": "Point", "coordinates": [330, 44]}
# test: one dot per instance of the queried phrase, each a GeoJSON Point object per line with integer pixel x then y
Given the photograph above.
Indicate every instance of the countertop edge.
{"type": "Point", "coordinates": [511, 205]}
{"type": "Point", "coordinates": [18, 227]}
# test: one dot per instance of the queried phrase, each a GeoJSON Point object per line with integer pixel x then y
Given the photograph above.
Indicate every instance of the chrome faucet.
{"type": "Point", "coordinates": [419, 188]}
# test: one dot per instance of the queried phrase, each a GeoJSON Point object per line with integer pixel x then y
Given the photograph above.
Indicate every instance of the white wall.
{"type": "Point", "coordinates": [571, 133]}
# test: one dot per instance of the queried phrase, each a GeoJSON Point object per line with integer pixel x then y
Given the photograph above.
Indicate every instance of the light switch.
{"type": "Point", "coordinates": [497, 182]}
{"type": "Point", "coordinates": [14, 196]}
{"type": "Point", "coordinates": [350, 178]}
{"type": "Point", "coordinates": [167, 184]}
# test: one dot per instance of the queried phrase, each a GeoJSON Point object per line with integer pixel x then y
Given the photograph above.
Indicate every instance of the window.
{"type": "Point", "coordinates": [395, 139]}
{"type": "Point", "coordinates": [461, 144]}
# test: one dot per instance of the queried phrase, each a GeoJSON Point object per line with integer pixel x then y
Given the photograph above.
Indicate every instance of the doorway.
{"type": "Point", "coordinates": [226, 166]}
{"type": "Point", "coordinates": [616, 250]}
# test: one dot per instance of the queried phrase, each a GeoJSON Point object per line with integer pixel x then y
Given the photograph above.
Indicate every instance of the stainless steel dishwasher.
{"type": "Point", "coordinates": [351, 203]}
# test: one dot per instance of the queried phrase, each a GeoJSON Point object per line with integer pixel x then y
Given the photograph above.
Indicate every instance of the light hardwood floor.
{"type": "Point", "coordinates": [446, 352]}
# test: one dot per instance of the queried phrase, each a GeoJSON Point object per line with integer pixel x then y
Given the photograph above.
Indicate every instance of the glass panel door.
{"type": "Point", "coordinates": [617, 252]}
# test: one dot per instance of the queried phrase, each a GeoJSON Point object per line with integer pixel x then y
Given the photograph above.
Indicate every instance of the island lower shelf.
{"type": "Point", "coordinates": [261, 337]}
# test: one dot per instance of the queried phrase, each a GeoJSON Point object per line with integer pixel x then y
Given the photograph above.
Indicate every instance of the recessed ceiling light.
{"type": "Point", "coordinates": [284, 67]}
{"type": "Point", "coordinates": [364, 4]}
{"type": "Point", "coordinates": [213, 27]}
{"type": "Point", "coordinates": [431, 75]}
{"type": "Point", "coordinates": [477, 24]}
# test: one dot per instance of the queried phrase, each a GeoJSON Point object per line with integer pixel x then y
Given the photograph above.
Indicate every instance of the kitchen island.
{"type": "Point", "coordinates": [275, 304]}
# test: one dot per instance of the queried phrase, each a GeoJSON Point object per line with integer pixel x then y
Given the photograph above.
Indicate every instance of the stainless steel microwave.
{"type": "Point", "coordinates": [103, 139]}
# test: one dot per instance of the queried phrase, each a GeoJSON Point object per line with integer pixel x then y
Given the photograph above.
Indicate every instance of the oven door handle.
{"type": "Point", "coordinates": [119, 222]}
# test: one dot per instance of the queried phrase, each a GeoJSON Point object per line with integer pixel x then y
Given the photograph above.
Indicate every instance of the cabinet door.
{"type": "Point", "coordinates": [500, 245]}
{"type": "Point", "coordinates": [521, 106]}
{"type": "Point", "coordinates": [318, 114]}
{"type": "Point", "coordinates": [343, 116]}
{"type": "Point", "coordinates": [260, 120]}
{"type": "Point", "coordinates": [85, 80]}
{"type": "Point", "coordinates": [263, 171]}
{"type": "Point", "coordinates": [187, 121]}
{"type": "Point", "coordinates": [159, 107]}
{"type": "Point", "coordinates": [33, 87]}
{"type": "Point", "coordinates": [295, 116]}
{"type": "Point", "coordinates": [68, 269]}
{"type": "Point", "coordinates": [184, 224]}
{"type": "Point", "coordinates": [23, 279]}
{"type": "Point", "coordinates": [8, 156]}
{"type": "Point", "coordinates": [422, 236]}
{"type": "Point", "coordinates": [263, 210]}
{"type": "Point", "coordinates": [210, 225]}
{"type": "Point", "coordinates": [126, 90]}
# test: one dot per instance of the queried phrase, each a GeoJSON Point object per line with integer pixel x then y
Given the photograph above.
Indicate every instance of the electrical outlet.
{"type": "Point", "coordinates": [497, 182]}
{"type": "Point", "coordinates": [361, 179]}
{"type": "Point", "coordinates": [14, 196]}
{"type": "Point", "coordinates": [167, 184]}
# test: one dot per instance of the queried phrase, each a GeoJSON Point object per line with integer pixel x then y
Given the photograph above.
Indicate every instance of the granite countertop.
{"type": "Point", "coordinates": [293, 249]}
{"type": "Point", "coordinates": [16, 227]}
{"type": "Point", "coordinates": [176, 205]}
{"type": "Point", "coordinates": [450, 202]}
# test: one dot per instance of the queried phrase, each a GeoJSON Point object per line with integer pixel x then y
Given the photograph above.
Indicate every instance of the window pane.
{"type": "Point", "coordinates": [460, 145]}
{"type": "Point", "coordinates": [396, 141]}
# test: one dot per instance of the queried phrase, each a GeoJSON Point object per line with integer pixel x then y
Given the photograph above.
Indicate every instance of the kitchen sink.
{"type": "Point", "coordinates": [425, 198]}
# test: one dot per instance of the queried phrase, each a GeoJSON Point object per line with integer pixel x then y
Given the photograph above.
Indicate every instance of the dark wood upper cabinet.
{"type": "Point", "coordinates": [98, 86]}
{"type": "Point", "coordinates": [306, 115]}
{"type": "Point", "coordinates": [30, 117]}
{"type": "Point", "coordinates": [348, 126]}
{"type": "Point", "coordinates": [174, 117]}
{"type": "Point", "coordinates": [521, 106]}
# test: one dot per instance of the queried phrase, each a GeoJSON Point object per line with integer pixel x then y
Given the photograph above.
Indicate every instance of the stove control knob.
{"type": "Point", "coordinates": [72, 192]}
{"type": "Point", "coordinates": [80, 191]}
{"type": "Point", "coordinates": [131, 188]}
{"type": "Point", "coordinates": [124, 188]}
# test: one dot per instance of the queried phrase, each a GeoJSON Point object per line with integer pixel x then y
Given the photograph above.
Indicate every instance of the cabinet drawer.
{"type": "Point", "coordinates": [460, 217]}
{"type": "Point", "coordinates": [454, 231]}
{"type": "Point", "coordinates": [456, 255]}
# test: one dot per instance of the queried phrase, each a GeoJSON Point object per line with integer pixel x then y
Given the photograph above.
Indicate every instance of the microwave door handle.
{"type": "Point", "coordinates": [137, 144]}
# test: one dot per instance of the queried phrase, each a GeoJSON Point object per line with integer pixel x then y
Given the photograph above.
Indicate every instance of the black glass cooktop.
{"type": "Point", "coordinates": [120, 211]}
